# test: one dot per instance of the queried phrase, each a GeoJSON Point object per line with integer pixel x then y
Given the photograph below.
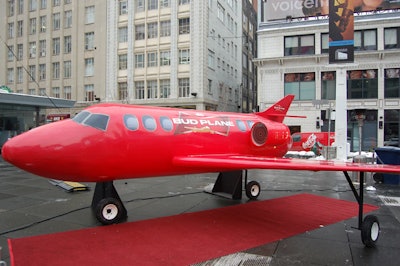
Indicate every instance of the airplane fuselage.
{"type": "Point", "coordinates": [111, 141]}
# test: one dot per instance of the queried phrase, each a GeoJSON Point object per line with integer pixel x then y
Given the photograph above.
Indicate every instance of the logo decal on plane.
{"type": "Point", "coordinates": [202, 124]}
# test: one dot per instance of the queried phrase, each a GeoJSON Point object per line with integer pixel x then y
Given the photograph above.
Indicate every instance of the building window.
{"type": "Point", "coordinates": [299, 45]}
{"type": "Point", "coordinates": [89, 93]}
{"type": "Point", "coordinates": [42, 72]}
{"type": "Point", "coordinates": [20, 6]}
{"type": "Point", "coordinates": [123, 7]}
{"type": "Point", "coordinates": [56, 70]}
{"type": "Point", "coordinates": [165, 58]}
{"type": "Point", "coordinates": [10, 53]}
{"type": "Point", "coordinates": [392, 83]}
{"type": "Point", "coordinates": [122, 91]}
{"type": "Point", "coordinates": [10, 75]}
{"type": "Point", "coordinates": [184, 56]}
{"type": "Point", "coordinates": [164, 3]}
{"type": "Point", "coordinates": [392, 38]}
{"type": "Point", "coordinates": [139, 60]}
{"type": "Point", "coordinates": [184, 2]}
{"type": "Point", "coordinates": [67, 44]}
{"type": "Point", "coordinates": [391, 127]}
{"type": "Point", "coordinates": [123, 35]}
{"type": "Point", "coordinates": [139, 32]}
{"type": "Point", "coordinates": [20, 28]}
{"type": "Point", "coordinates": [324, 43]}
{"type": "Point", "coordinates": [184, 87]}
{"type": "Point", "coordinates": [139, 89]}
{"type": "Point", "coordinates": [43, 23]}
{"type": "Point", "coordinates": [152, 4]}
{"type": "Point", "coordinates": [32, 50]}
{"type": "Point", "coordinates": [56, 21]}
{"type": "Point", "coordinates": [165, 88]}
{"type": "Point", "coordinates": [362, 84]}
{"type": "Point", "coordinates": [89, 41]}
{"type": "Point", "coordinates": [68, 92]}
{"type": "Point", "coordinates": [184, 25]}
{"type": "Point", "coordinates": [365, 40]}
{"type": "Point", "coordinates": [139, 5]}
{"type": "Point", "coordinates": [10, 30]}
{"type": "Point", "coordinates": [32, 26]}
{"type": "Point", "coordinates": [42, 48]}
{"type": "Point", "coordinates": [43, 4]}
{"type": "Point", "coordinates": [89, 14]}
{"type": "Point", "coordinates": [56, 2]}
{"type": "Point", "coordinates": [56, 46]}
{"type": "Point", "coordinates": [122, 61]}
{"type": "Point", "coordinates": [152, 59]}
{"type": "Point", "coordinates": [67, 69]}
{"type": "Point", "coordinates": [11, 8]}
{"type": "Point", "coordinates": [302, 85]}
{"type": "Point", "coordinates": [68, 19]}
{"type": "Point", "coordinates": [328, 85]}
{"type": "Point", "coordinates": [20, 51]}
{"type": "Point", "coordinates": [152, 30]}
{"type": "Point", "coordinates": [165, 28]}
{"type": "Point", "coordinates": [89, 67]}
{"type": "Point", "coordinates": [152, 89]}
{"type": "Point", "coordinates": [55, 92]}
{"type": "Point", "coordinates": [32, 73]}
{"type": "Point", "coordinates": [220, 13]}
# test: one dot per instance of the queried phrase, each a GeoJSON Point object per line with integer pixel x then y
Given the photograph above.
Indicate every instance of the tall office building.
{"type": "Point", "coordinates": [157, 52]}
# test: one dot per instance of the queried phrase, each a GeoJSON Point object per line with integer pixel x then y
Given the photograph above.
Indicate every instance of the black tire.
{"type": "Point", "coordinates": [109, 211]}
{"type": "Point", "coordinates": [370, 230]}
{"type": "Point", "coordinates": [253, 190]}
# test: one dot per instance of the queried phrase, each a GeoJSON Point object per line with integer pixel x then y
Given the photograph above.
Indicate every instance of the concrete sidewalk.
{"type": "Point", "coordinates": [30, 205]}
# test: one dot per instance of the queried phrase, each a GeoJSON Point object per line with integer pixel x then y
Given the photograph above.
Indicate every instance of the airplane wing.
{"type": "Point", "coordinates": [237, 162]}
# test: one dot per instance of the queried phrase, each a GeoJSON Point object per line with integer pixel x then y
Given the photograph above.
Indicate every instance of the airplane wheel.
{"type": "Point", "coordinates": [378, 178]}
{"type": "Point", "coordinates": [370, 230]}
{"type": "Point", "coordinates": [253, 190]}
{"type": "Point", "coordinates": [109, 211]}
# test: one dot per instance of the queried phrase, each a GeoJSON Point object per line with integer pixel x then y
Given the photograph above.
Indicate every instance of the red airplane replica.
{"type": "Point", "coordinates": [107, 142]}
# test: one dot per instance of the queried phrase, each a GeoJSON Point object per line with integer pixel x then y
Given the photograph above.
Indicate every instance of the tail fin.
{"type": "Point", "coordinates": [277, 112]}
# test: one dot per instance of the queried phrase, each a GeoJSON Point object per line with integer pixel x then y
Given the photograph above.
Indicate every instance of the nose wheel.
{"type": "Point", "coordinates": [109, 211]}
{"type": "Point", "coordinates": [107, 205]}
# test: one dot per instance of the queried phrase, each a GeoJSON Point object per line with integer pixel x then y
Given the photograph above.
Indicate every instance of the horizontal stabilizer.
{"type": "Point", "coordinates": [278, 111]}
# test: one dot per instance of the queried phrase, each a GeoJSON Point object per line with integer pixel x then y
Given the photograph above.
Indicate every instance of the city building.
{"type": "Point", "coordinates": [293, 59]}
{"type": "Point", "coordinates": [177, 53]}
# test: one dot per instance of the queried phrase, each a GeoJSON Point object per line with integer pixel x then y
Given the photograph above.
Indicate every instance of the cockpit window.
{"type": "Point", "coordinates": [131, 122]}
{"type": "Point", "coordinates": [81, 116]}
{"type": "Point", "coordinates": [98, 121]}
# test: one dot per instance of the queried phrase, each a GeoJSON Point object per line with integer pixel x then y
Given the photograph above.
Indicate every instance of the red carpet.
{"type": "Point", "coordinates": [184, 239]}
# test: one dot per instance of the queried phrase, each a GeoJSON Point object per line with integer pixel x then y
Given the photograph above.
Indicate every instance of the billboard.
{"type": "Point", "coordinates": [341, 31]}
{"type": "Point", "coordinates": [281, 9]}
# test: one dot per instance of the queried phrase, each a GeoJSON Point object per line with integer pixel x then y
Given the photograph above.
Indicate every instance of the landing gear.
{"type": "Point", "coordinates": [107, 204]}
{"type": "Point", "coordinates": [253, 190]}
{"type": "Point", "coordinates": [370, 230]}
{"type": "Point", "coordinates": [109, 211]}
{"type": "Point", "coordinates": [369, 227]}
{"type": "Point", "coordinates": [230, 185]}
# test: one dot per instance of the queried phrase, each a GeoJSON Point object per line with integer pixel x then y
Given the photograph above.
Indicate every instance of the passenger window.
{"type": "Point", "coordinates": [296, 138]}
{"type": "Point", "coordinates": [81, 116]}
{"type": "Point", "coordinates": [166, 123]}
{"type": "Point", "coordinates": [241, 125]}
{"type": "Point", "coordinates": [98, 121]}
{"type": "Point", "coordinates": [149, 123]}
{"type": "Point", "coordinates": [131, 122]}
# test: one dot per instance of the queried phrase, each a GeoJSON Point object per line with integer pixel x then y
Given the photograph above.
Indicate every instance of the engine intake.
{"type": "Point", "coordinates": [259, 134]}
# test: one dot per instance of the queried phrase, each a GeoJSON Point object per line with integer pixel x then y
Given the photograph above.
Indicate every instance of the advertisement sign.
{"type": "Point", "coordinates": [341, 31]}
{"type": "Point", "coordinates": [282, 9]}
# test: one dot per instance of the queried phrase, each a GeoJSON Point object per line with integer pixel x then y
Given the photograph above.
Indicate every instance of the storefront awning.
{"type": "Point", "coordinates": [33, 100]}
